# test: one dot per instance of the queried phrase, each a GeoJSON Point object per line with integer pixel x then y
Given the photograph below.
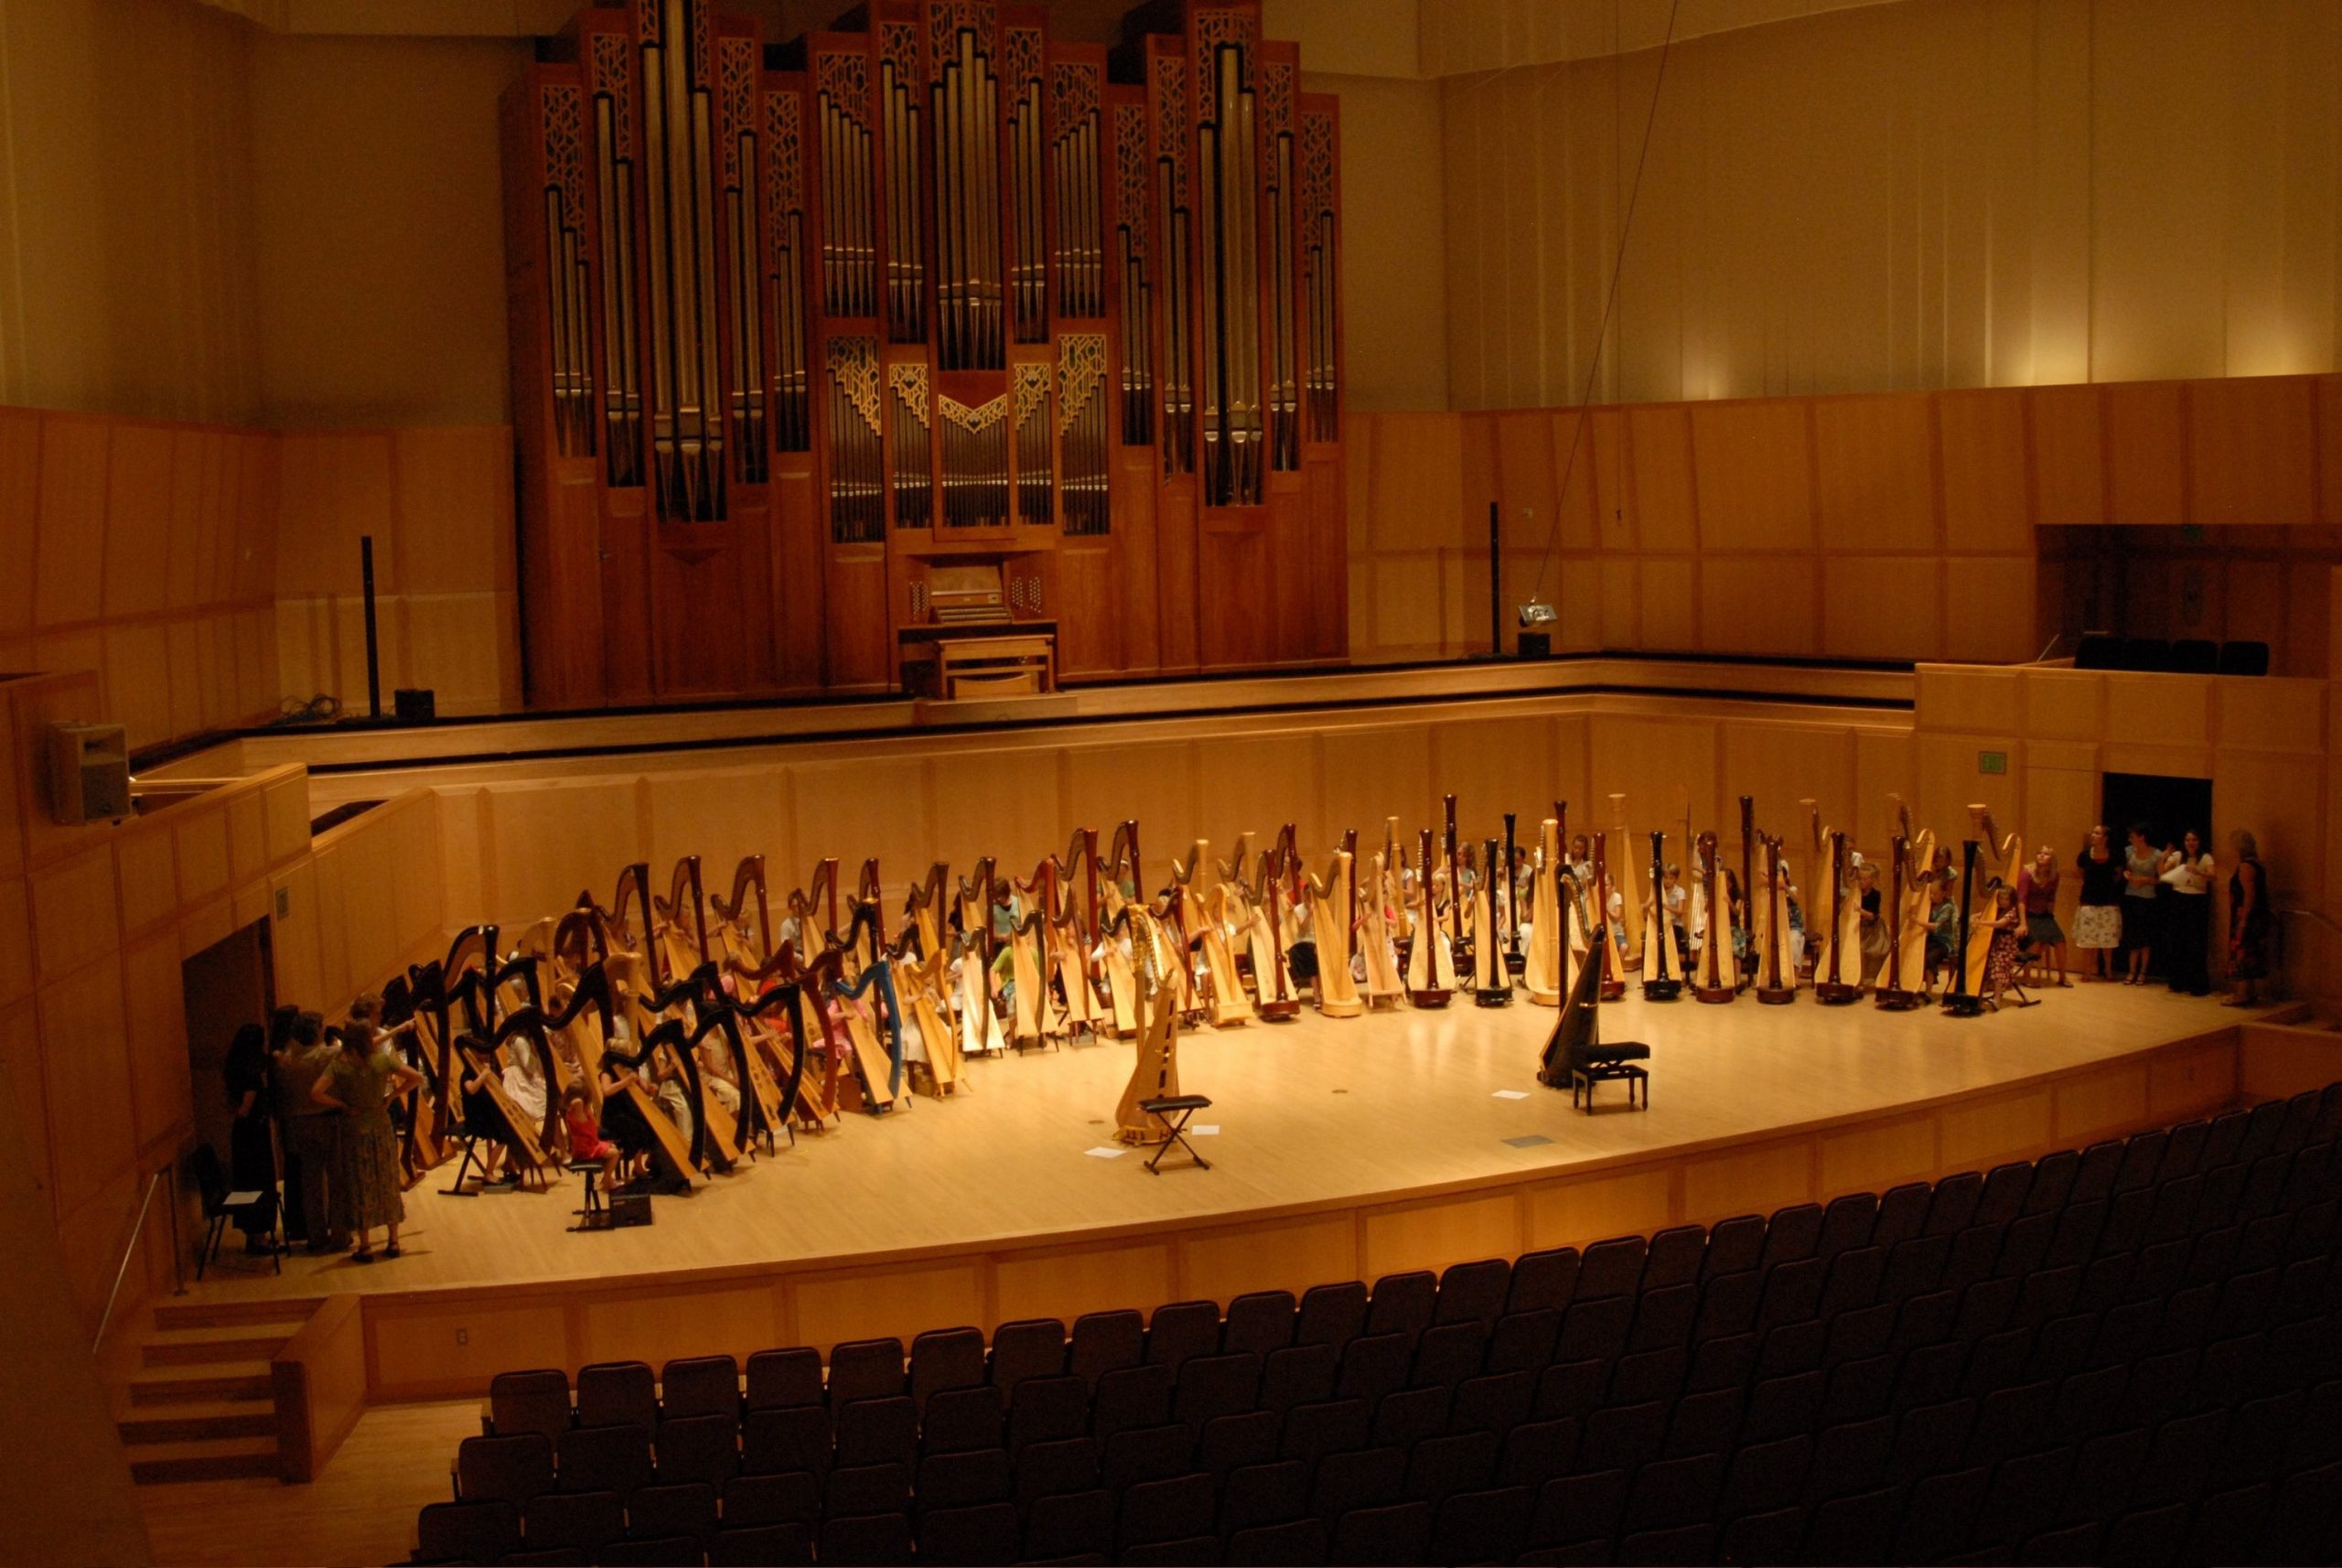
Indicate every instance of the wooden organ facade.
{"type": "Point", "coordinates": [927, 321]}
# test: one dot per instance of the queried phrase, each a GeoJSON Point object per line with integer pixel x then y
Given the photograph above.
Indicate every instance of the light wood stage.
{"type": "Point", "coordinates": [1345, 1150]}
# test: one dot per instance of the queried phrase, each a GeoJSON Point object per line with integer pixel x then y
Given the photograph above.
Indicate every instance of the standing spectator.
{"type": "Point", "coordinates": [2251, 921]}
{"type": "Point", "coordinates": [252, 1145]}
{"type": "Point", "coordinates": [2142, 877]}
{"type": "Point", "coordinates": [311, 1133]}
{"type": "Point", "coordinates": [2098, 921]}
{"type": "Point", "coordinates": [365, 1076]}
{"type": "Point", "coordinates": [2037, 895]}
{"type": "Point", "coordinates": [2187, 909]}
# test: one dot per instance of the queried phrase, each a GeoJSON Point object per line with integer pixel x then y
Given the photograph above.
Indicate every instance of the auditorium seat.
{"type": "Point", "coordinates": [2130, 1349]}
{"type": "Point", "coordinates": [618, 1393]}
{"type": "Point", "coordinates": [475, 1530]}
{"type": "Point", "coordinates": [763, 1546]}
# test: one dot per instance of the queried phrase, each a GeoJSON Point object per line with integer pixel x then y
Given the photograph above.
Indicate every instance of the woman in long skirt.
{"type": "Point", "coordinates": [366, 1076]}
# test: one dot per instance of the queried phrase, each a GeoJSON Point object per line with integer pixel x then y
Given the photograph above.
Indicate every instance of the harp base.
{"type": "Point", "coordinates": [1278, 1012]}
{"type": "Point", "coordinates": [1961, 1004]}
{"type": "Point", "coordinates": [1492, 997]}
{"type": "Point", "coordinates": [1430, 998]}
{"type": "Point", "coordinates": [1895, 999]}
{"type": "Point", "coordinates": [1612, 991]}
{"type": "Point", "coordinates": [1714, 994]}
{"type": "Point", "coordinates": [1544, 998]}
{"type": "Point", "coordinates": [1516, 964]}
{"type": "Point", "coordinates": [1836, 994]}
{"type": "Point", "coordinates": [1663, 990]}
{"type": "Point", "coordinates": [1776, 996]}
{"type": "Point", "coordinates": [1230, 1016]}
{"type": "Point", "coordinates": [1349, 1009]}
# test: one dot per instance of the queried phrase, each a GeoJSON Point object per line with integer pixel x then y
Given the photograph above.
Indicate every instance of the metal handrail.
{"type": "Point", "coordinates": [2319, 916]}
{"type": "Point", "coordinates": [167, 1175]}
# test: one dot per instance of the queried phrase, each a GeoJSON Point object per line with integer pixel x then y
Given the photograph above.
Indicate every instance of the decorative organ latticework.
{"type": "Point", "coordinates": [1131, 186]}
{"type": "Point", "coordinates": [1081, 431]}
{"type": "Point", "coordinates": [794, 322]}
{"type": "Point", "coordinates": [1034, 477]}
{"type": "Point", "coordinates": [914, 447]}
{"type": "Point", "coordinates": [1321, 275]}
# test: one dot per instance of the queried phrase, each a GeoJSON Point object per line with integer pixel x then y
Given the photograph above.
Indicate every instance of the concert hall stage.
{"type": "Point", "coordinates": [1345, 1149]}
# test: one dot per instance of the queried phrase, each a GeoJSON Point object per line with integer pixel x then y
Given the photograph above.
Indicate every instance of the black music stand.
{"type": "Point", "coordinates": [1172, 1114]}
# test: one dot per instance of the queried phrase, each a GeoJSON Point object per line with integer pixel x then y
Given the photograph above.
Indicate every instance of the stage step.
{"type": "Point", "coordinates": [210, 1459]}
{"type": "Point", "coordinates": [203, 1346]}
{"type": "Point", "coordinates": [197, 1420]}
{"type": "Point", "coordinates": [196, 1385]}
{"type": "Point", "coordinates": [179, 1315]}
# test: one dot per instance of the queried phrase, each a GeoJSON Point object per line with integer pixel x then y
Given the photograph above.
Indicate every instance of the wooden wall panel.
{"type": "Point", "coordinates": [2146, 448]}
{"type": "Point", "coordinates": [1875, 487]}
{"type": "Point", "coordinates": [1754, 466]}
{"type": "Point", "coordinates": [2250, 451]}
{"type": "Point", "coordinates": [1985, 501]}
{"type": "Point", "coordinates": [1662, 514]}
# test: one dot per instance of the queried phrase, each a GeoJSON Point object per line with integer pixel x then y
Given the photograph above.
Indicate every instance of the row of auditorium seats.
{"type": "Point", "coordinates": [2188, 656]}
{"type": "Point", "coordinates": [2125, 1353]}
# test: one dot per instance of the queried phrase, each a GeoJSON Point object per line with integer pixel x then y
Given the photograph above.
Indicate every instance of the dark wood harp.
{"type": "Point", "coordinates": [1613, 977]}
{"type": "Point", "coordinates": [1715, 983]}
{"type": "Point", "coordinates": [1578, 1027]}
{"type": "Point", "coordinates": [1833, 988]}
{"type": "Point", "coordinates": [1431, 964]}
{"type": "Point", "coordinates": [1963, 1001]}
{"type": "Point", "coordinates": [1491, 977]}
{"type": "Point", "coordinates": [1662, 979]}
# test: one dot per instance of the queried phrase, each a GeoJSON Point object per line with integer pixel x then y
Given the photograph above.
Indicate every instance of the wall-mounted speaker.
{"type": "Point", "coordinates": [88, 774]}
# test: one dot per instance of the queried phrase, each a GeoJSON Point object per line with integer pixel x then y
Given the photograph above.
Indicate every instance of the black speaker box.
{"type": "Point", "coordinates": [413, 707]}
{"type": "Point", "coordinates": [2244, 659]}
{"type": "Point", "coordinates": [629, 1208]}
{"type": "Point", "coordinates": [1536, 645]}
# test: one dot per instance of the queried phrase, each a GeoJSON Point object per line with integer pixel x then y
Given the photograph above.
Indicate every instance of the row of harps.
{"type": "Point", "coordinates": [697, 988]}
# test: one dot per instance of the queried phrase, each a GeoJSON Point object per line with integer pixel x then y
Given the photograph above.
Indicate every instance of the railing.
{"type": "Point", "coordinates": [167, 1176]}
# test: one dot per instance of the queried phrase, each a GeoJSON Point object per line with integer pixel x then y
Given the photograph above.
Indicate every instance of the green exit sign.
{"type": "Point", "coordinates": [1992, 762]}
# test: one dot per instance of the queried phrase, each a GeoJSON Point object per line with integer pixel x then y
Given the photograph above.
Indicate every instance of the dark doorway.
{"type": "Point", "coordinates": [2169, 808]}
{"type": "Point", "coordinates": [224, 987]}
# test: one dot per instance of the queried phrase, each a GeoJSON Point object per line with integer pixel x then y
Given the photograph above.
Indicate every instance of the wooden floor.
{"type": "Point", "coordinates": [1312, 1113]}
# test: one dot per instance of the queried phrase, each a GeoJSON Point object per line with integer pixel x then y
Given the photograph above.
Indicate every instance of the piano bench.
{"type": "Point", "coordinates": [1607, 1069]}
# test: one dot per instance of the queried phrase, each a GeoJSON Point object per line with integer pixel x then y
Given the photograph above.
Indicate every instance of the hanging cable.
{"type": "Point", "coordinates": [1610, 303]}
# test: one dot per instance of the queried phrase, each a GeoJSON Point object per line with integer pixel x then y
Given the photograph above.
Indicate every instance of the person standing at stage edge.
{"type": "Point", "coordinates": [2188, 873]}
{"type": "Point", "coordinates": [311, 1132]}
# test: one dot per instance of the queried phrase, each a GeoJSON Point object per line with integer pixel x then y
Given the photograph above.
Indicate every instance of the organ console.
{"type": "Point", "coordinates": [801, 327]}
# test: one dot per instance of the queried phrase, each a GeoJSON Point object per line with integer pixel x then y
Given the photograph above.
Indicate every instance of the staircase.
{"type": "Point", "coordinates": [199, 1403]}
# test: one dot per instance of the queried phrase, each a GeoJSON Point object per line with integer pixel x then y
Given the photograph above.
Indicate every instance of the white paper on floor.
{"type": "Point", "coordinates": [1207, 1129]}
{"type": "Point", "coordinates": [1104, 1151]}
{"type": "Point", "coordinates": [1513, 1094]}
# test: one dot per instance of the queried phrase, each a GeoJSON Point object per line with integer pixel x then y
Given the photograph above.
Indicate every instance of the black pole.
{"type": "Point", "coordinates": [373, 647]}
{"type": "Point", "coordinates": [1496, 588]}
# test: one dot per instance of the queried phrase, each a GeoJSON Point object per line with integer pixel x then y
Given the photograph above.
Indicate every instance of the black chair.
{"type": "Point", "coordinates": [1374, 1365]}
{"type": "Point", "coordinates": [792, 1498]}
{"type": "Point", "coordinates": [1060, 1468]}
{"type": "Point", "coordinates": [667, 1552]}
{"type": "Point", "coordinates": [606, 1459]}
{"type": "Point", "coordinates": [778, 1378]}
{"type": "Point", "coordinates": [965, 1479]}
{"type": "Point", "coordinates": [1211, 1386]}
{"type": "Point", "coordinates": [1498, 1403]}
{"type": "Point", "coordinates": [865, 1489]}
{"type": "Point", "coordinates": [585, 1520]}
{"type": "Point", "coordinates": [1403, 1303]}
{"type": "Point", "coordinates": [1767, 1540]}
{"type": "Point", "coordinates": [1859, 1529]}
{"type": "Point", "coordinates": [945, 1359]}
{"type": "Point", "coordinates": [1047, 1410]}
{"type": "Point", "coordinates": [1230, 1441]}
{"type": "Point", "coordinates": [761, 1546]}
{"type": "Point", "coordinates": [1480, 1526]}
{"type": "Point", "coordinates": [1442, 1467]}
{"type": "Point", "coordinates": [618, 1393]}
{"type": "Point", "coordinates": [1180, 1331]}
{"type": "Point", "coordinates": [1069, 1525]}
{"type": "Point", "coordinates": [2145, 653]}
{"type": "Point", "coordinates": [254, 1213]}
{"type": "Point", "coordinates": [1473, 1293]}
{"type": "Point", "coordinates": [1330, 1426]}
{"type": "Point", "coordinates": [1175, 1509]}
{"type": "Point", "coordinates": [957, 1420]}
{"type": "Point", "coordinates": [1259, 1323]}
{"type": "Point", "coordinates": [1671, 1493]}
{"type": "Point", "coordinates": [1258, 1495]}
{"type": "Point", "coordinates": [871, 1540]}
{"type": "Point", "coordinates": [698, 1448]}
{"type": "Point", "coordinates": [1105, 1342]}
{"type": "Point", "coordinates": [1542, 1281]}
{"type": "Point", "coordinates": [968, 1537]}
{"type": "Point", "coordinates": [1331, 1315]}
{"type": "Point", "coordinates": [1146, 1453]}
{"type": "Point", "coordinates": [1398, 1534]}
{"type": "Point", "coordinates": [1574, 1509]}
{"type": "Point", "coordinates": [700, 1385]}
{"type": "Point", "coordinates": [1290, 1545]}
{"type": "Point", "coordinates": [510, 1469]}
{"type": "Point", "coordinates": [864, 1369]}
{"type": "Point", "coordinates": [878, 1432]}
{"type": "Point", "coordinates": [2243, 658]}
{"type": "Point", "coordinates": [1449, 1353]}
{"type": "Point", "coordinates": [1028, 1347]}
{"type": "Point", "coordinates": [792, 1437]}
{"type": "Point", "coordinates": [1130, 1397]}
{"type": "Point", "coordinates": [1298, 1374]}
{"type": "Point", "coordinates": [668, 1512]}
{"type": "Point", "coordinates": [2098, 650]}
{"type": "Point", "coordinates": [1358, 1479]}
{"type": "Point", "coordinates": [469, 1531]}
{"type": "Point", "coordinates": [1610, 1268]}
{"type": "Point", "coordinates": [530, 1401]}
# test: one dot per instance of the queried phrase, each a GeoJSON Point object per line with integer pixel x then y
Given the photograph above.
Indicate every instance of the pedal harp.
{"type": "Point", "coordinates": [1777, 983]}
{"type": "Point", "coordinates": [1962, 1000]}
{"type": "Point", "coordinates": [1830, 983]}
{"type": "Point", "coordinates": [1545, 970]}
{"type": "Point", "coordinates": [1431, 961]}
{"type": "Point", "coordinates": [1610, 930]}
{"type": "Point", "coordinates": [1662, 964]}
{"type": "Point", "coordinates": [1577, 1030]}
{"type": "Point", "coordinates": [1714, 983]}
{"type": "Point", "coordinates": [1491, 979]}
{"type": "Point", "coordinates": [1890, 992]}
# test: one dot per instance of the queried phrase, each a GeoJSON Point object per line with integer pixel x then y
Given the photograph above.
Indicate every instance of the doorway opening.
{"type": "Point", "coordinates": [2168, 807]}
{"type": "Point", "coordinates": [229, 984]}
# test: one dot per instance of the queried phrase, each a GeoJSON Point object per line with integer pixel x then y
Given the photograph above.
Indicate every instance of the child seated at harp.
{"type": "Point", "coordinates": [1943, 927]}
{"type": "Point", "coordinates": [585, 1140]}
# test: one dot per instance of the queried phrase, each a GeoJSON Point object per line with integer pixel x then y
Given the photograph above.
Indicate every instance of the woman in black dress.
{"type": "Point", "coordinates": [252, 1148]}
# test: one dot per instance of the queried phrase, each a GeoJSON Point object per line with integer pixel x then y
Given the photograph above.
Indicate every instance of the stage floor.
{"type": "Point", "coordinates": [1318, 1114]}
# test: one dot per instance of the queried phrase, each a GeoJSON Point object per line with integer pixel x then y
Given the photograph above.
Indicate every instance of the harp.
{"type": "Point", "coordinates": [1515, 960]}
{"type": "Point", "coordinates": [923, 906]}
{"type": "Point", "coordinates": [1491, 980]}
{"type": "Point", "coordinates": [1543, 970]}
{"type": "Point", "coordinates": [1033, 1019]}
{"type": "Point", "coordinates": [923, 986]}
{"type": "Point", "coordinates": [681, 1022]}
{"type": "Point", "coordinates": [1577, 1027]}
{"type": "Point", "coordinates": [1431, 960]}
{"type": "Point", "coordinates": [1715, 983]}
{"type": "Point", "coordinates": [1228, 1007]}
{"type": "Point", "coordinates": [620, 1069]}
{"type": "Point", "coordinates": [813, 912]}
{"type": "Point", "coordinates": [1778, 981]}
{"type": "Point", "coordinates": [1373, 935]}
{"type": "Point", "coordinates": [1844, 925]}
{"type": "Point", "coordinates": [1333, 906]}
{"type": "Point", "coordinates": [1609, 924]}
{"type": "Point", "coordinates": [1456, 945]}
{"type": "Point", "coordinates": [1155, 1072]}
{"type": "Point", "coordinates": [1890, 992]}
{"type": "Point", "coordinates": [1632, 910]}
{"type": "Point", "coordinates": [1662, 963]}
{"type": "Point", "coordinates": [1279, 1002]}
{"type": "Point", "coordinates": [1998, 857]}
{"type": "Point", "coordinates": [1963, 1001]}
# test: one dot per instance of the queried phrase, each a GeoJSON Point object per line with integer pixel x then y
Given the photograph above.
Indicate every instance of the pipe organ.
{"type": "Point", "coordinates": [801, 327]}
